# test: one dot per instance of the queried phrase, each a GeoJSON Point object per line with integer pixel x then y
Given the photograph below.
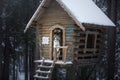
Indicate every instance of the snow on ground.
{"type": "Point", "coordinates": [21, 76]}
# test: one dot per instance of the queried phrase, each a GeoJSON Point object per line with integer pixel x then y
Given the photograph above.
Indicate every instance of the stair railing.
{"type": "Point", "coordinates": [57, 53]}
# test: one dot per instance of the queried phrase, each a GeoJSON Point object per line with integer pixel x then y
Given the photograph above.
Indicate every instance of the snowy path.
{"type": "Point", "coordinates": [21, 76]}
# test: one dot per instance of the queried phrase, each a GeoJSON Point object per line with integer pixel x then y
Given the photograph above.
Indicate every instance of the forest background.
{"type": "Point", "coordinates": [17, 49]}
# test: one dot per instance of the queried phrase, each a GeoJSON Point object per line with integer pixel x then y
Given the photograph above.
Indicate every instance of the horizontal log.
{"type": "Point", "coordinates": [45, 72]}
{"type": "Point", "coordinates": [40, 77]}
{"type": "Point", "coordinates": [61, 46]}
{"type": "Point", "coordinates": [42, 66]}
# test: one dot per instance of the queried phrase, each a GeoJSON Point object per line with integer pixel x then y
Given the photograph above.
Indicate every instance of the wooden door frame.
{"type": "Point", "coordinates": [51, 36]}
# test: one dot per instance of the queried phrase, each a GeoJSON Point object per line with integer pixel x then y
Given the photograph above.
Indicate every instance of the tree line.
{"type": "Point", "coordinates": [17, 49]}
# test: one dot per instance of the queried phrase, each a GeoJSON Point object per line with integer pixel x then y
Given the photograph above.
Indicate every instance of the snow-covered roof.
{"type": "Point", "coordinates": [82, 11]}
{"type": "Point", "coordinates": [86, 11]}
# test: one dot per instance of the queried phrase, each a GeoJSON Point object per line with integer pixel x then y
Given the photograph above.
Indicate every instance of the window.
{"type": "Point", "coordinates": [90, 40]}
{"type": "Point", "coordinates": [88, 44]}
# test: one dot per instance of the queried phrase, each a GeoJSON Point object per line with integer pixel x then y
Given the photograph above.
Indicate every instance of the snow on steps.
{"type": "Point", "coordinates": [45, 72]}
{"type": "Point", "coordinates": [44, 69]}
{"type": "Point", "coordinates": [41, 77]}
{"type": "Point", "coordinates": [51, 61]}
{"type": "Point", "coordinates": [42, 66]}
{"type": "Point", "coordinates": [45, 61]}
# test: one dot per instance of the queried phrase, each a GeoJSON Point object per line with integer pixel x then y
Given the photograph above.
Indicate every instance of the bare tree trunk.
{"type": "Point", "coordinates": [1, 38]}
{"type": "Point", "coordinates": [14, 67]}
{"type": "Point", "coordinates": [111, 53]}
{"type": "Point", "coordinates": [31, 63]}
{"type": "Point", "coordinates": [1, 49]}
{"type": "Point", "coordinates": [7, 51]}
{"type": "Point", "coordinates": [111, 40]}
{"type": "Point", "coordinates": [114, 11]}
{"type": "Point", "coordinates": [26, 62]}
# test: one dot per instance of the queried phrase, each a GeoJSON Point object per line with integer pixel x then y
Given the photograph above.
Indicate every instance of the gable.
{"type": "Point", "coordinates": [55, 14]}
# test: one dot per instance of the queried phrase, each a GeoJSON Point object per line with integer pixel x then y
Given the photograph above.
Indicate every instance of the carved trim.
{"type": "Point", "coordinates": [51, 36]}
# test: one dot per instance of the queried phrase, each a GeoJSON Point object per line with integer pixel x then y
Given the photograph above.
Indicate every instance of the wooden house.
{"type": "Point", "coordinates": [77, 25]}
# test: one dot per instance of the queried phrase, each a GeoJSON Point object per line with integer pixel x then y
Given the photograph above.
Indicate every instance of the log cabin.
{"type": "Point", "coordinates": [69, 31]}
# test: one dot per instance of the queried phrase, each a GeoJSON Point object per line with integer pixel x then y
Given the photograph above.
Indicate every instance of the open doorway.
{"type": "Point", "coordinates": [57, 40]}
{"type": "Point", "coordinates": [57, 33]}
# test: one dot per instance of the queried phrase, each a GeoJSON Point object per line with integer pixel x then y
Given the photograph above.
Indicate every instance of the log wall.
{"type": "Point", "coordinates": [75, 38]}
{"type": "Point", "coordinates": [54, 14]}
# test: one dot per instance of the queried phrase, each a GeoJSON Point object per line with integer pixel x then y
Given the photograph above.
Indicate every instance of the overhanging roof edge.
{"type": "Point", "coordinates": [34, 15]}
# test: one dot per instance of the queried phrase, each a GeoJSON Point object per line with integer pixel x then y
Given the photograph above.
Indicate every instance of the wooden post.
{"type": "Point", "coordinates": [64, 55]}
{"type": "Point", "coordinates": [55, 54]}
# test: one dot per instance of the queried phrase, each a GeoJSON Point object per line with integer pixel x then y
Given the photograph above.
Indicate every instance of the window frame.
{"type": "Point", "coordinates": [95, 41]}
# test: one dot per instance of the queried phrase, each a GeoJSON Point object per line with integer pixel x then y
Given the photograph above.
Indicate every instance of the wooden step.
{"type": "Point", "coordinates": [41, 77]}
{"type": "Point", "coordinates": [45, 72]}
{"type": "Point", "coordinates": [45, 61]}
{"type": "Point", "coordinates": [42, 66]}
{"type": "Point", "coordinates": [44, 69]}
